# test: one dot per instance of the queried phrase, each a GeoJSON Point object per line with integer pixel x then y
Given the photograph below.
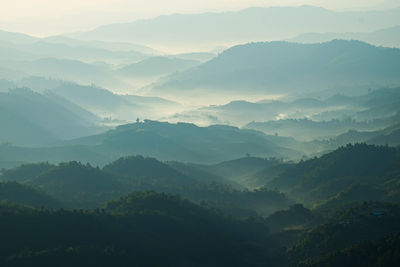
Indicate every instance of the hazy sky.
{"type": "Point", "coordinates": [46, 17]}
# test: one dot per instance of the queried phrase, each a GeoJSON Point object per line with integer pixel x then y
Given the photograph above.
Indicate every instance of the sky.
{"type": "Point", "coordinates": [51, 17]}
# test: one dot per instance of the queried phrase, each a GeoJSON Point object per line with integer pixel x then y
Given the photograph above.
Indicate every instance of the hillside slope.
{"type": "Point", "coordinates": [281, 67]}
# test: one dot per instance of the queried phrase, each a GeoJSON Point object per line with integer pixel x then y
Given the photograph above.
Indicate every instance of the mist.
{"type": "Point", "coordinates": [200, 133]}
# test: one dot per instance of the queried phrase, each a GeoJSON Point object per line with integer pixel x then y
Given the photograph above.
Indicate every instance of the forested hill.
{"type": "Point", "coordinates": [372, 167]}
{"type": "Point", "coordinates": [372, 226]}
{"type": "Point", "coordinates": [75, 185]}
{"type": "Point", "coordinates": [165, 141]}
{"type": "Point", "coordinates": [282, 67]}
{"type": "Point", "coordinates": [29, 118]}
{"type": "Point", "coordinates": [129, 232]}
{"type": "Point", "coordinates": [262, 226]}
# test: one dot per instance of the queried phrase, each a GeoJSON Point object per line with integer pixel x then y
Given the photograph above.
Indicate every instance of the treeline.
{"type": "Point", "coordinates": [353, 173]}
{"type": "Point", "coordinates": [145, 229]}
{"type": "Point", "coordinates": [75, 185]}
{"type": "Point", "coordinates": [74, 214]}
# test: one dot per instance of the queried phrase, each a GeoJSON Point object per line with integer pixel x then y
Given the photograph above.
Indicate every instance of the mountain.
{"type": "Point", "coordinates": [69, 70]}
{"type": "Point", "coordinates": [281, 68]}
{"type": "Point", "coordinates": [353, 194]}
{"type": "Point", "coordinates": [62, 47]}
{"type": "Point", "coordinates": [62, 58]}
{"type": "Point", "coordinates": [309, 130]}
{"type": "Point", "coordinates": [84, 186]}
{"type": "Point", "coordinates": [249, 172]}
{"type": "Point", "coordinates": [65, 59]}
{"type": "Point", "coordinates": [141, 171]}
{"type": "Point", "coordinates": [304, 117]}
{"type": "Point", "coordinates": [240, 112]}
{"type": "Point", "coordinates": [112, 106]}
{"type": "Point", "coordinates": [356, 226]}
{"type": "Point", "coordinates": [295, 217]}
{"type": "Point", "coordinates": [74, 178]}
{"type": "Point", "coordinates": [129, 231]}
{"type": "Point", "coordinates": [381, 252]}
{"type": "Point", "coordinates": [252, 24]}
{"type": "Point", "coordinates": [85, 53]}
{"type": "Point", "coordinates": [13, 155]}
{"type": "Point", "coordinates": [30, 118]}
{"type": "Point", "coordinates": [387, 136]}
{"type": "Point", "coordinates": [345, 175]}
{"type": "Point", "coordinates": [238, 170]}
{"type": "Point", "coordinates": [25, 172]}
{"type": "Point", "coordinates": [110, 46]}
{"type": "Point", "coordinates": [323, 118]}
{"type": "Point", "coordinates": [11, 53]}
{"type": "Point", "coordinates": [272, 170]}
{"type": "Point", "coordinates": [16, 38]}
{"type": "Point", "coordinates": [185, 142]}
{"type": "Point", "coordinates": [5, 85]}
{"type": "Point", "coordinates": [305, 129]}
{"type": "Point", "coordinates": [175, 226]}
{"type": "Point", "coordinates": [25, 195]}
{"type": "Point", "coordinates": [388, 37]}
{"type": "Point", "coordinates": [96, 99]}
{"type": "Point", "coordinates": [149, 174]}
{"type": "Point", "coordinates": [181, 142]}
{"type": "Point", "coordinates": [202, 173]}
{"type": "Point", "coordinates": [77, 185]}
{"type": "Point", "coordinates": [198, 56]}
{"type": "Point", "coordinates": [157, 66]}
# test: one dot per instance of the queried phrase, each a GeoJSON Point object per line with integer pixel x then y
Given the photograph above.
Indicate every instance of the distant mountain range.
{"type": "Point", "coordinates": [389, 37]}
{"type": "Point", "coordinates": [64, 58]}
{"type": "Point", "coordinates": [181, 142]}
{"type": "Point", "coordinates": [355, 223]}
{"type": "Point", "coordinates": [69, 70]}
{"type": "Point", "coordinates": [282, 67]}
{"type": "Point", "coordinates": [77, 185]}
{"type": "Point", "coordinates": [157, 66]}
{"type": "Point", "coordinates": [252, 24]}
{"type": "Point", "coordinates": [332, 116]}
{"type": "Point", "coordinates": [113, 106]}
{"type": "Point", "coordinates": [387, 136]}
{"type": "Point", "coordinates": [30, 118]}
{"type": "Point", "coordinates": [363, 109]}
{"type": "Point", "coordinates": [348, 170]}
{"type": "Point", "coordinates": [20, 48]}
{"type": "Point", "coordinates": [114, 65]}
{"type": "Point", "coordinates": [59, 110]}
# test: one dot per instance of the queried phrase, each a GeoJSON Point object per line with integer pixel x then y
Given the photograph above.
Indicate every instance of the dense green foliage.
{"type": "Point", "coordinates": [214, 222]}
{"type": "Point", "coordinates": [144, 171]}
{"type": "Point", "coordinates": [384, 252]}
{"type": "Point", "coordinates": [321, 178]}
{"type": "Point", "coordinates": [141, 229]}
{"type": "Point", "coordinates": [183, 142]}
{"type": "Point", "coordinates": [84, 186]}
{"type": "Point", "coordinates": [25, 195]}
{"type": "Point", "coordinates": [350, 227]}
{"type": "Point", "coordinates": [297, 217]}
{"type": "Point", "coordinates": [277, 153]}
{"type": "Point", "coordinates": [25, 171]}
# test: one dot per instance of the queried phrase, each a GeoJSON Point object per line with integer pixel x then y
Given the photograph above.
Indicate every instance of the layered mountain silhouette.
{"type": "Point", "coordinates": [30, 118]}
{"type": "Point", "coordinates": [388, 37]}
{"type": "Point", "coordinates": [282, 67]}
{"type": "Point", "coordinates": [252, 24]}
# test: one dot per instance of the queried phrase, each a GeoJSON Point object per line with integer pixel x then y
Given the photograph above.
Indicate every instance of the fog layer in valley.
{"type": "Point", "coordinates": [266, 136]}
